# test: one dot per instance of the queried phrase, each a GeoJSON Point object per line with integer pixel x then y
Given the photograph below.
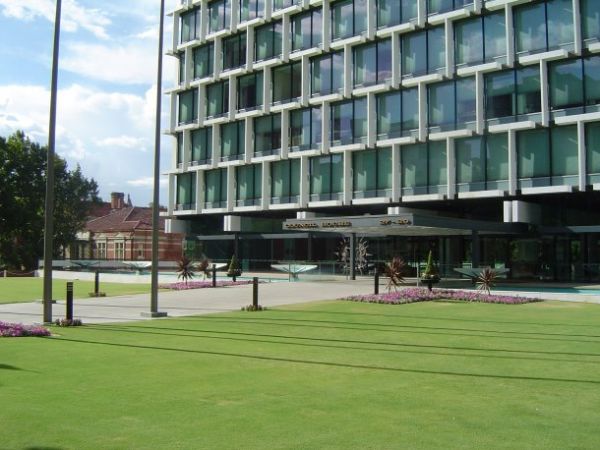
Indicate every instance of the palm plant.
{"type": "Point", "coordinates": [486, 280]}
{"type": "Point", "coordinates": [203, 267]}
{"type": "Point", "coordinates": [431, 274]}
{"type": "Point", "coordinates": [185, 269]}
{"type": "Point", "coordinates": [394, 271]}
{"type": "Point", "coordinates": [234, 270]}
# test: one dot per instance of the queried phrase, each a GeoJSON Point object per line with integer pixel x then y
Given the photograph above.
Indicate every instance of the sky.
{"type": "Point", "coordinates": [106, 86]}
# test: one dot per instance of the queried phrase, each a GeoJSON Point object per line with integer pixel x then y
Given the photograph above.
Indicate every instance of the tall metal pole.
{"type": "Point", "coordinates": [49, 203]}
{"type": "Point", "coordinates": [156, 194]}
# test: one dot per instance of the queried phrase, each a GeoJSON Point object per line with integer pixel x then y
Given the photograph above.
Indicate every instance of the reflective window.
{"type": "Point", "coordinates": [326, 177]}
{"type": "Point", "coordinates": [287, 82]}
{"type": "Point", "coordinates": [395, 12]}
{"type": "Point", "coordinates": [590, 19]}
{"type": "Point", "coordinates": [307, 29]}
{"type": "Point", "coordinates": [564, 154]}
{"type": "Point", "coordinates": [181, 56]}
{"type": "Point", "coordinates": [267, 41]}
{"type": "Point", "coordinates": [219, 12]}
{"type": "Point", "coordinates": [372, 173]}
{"type": "Point", "coordinates": [215, 188]}
{"type": "Point", "coordinates": [251, 9]}
{"type": "Point", "coordinates": [482, 162]}
{"type": "Point", "coordinates": [372, 63]}
{"type": "Point", "coordinates": [441, 6]}
{"type": "Point", "coordinates": [281, 4]}
{"type": "Point", "coordinates": [186, 191]}
{"type": "Point", "coordinates": [348, 18]}
{"type": "Point", "coordinates": [423, 168]}
{"type": "Point", "coordinates": [234, 51]}
{"type": "Point", "coordinates": [232, 141]}
{"type": "Point", "coordinates": [543, 26]}
{"type": "Point", "coordinates": [190, 26]}
{"type": "Point", "coordinates": [188, 106]}
{"type": "Point", "coordinates": [203, 61]}
{"type": "Point", "coordinates": [513, 93]}
{"type": "Point", "coordinates": [285, 181]}
{"type": "Point", "coordinates": [180, 148]}
{"type": "Point", "coordinates": [248, 184]}
{"type": "Point", "coordinates": [201, 146]}
{"type": "Point", "coordinates": [533, 155]}
{"type": "Point", "coordinates": [423, 52]}
{"type": "Point", "coordinates": [305, 129]}
{"type": "Point", "coordinates": [267, 135]}
{"type": "Point", "coordinates": [348, 122]}
{"type": "Point", "coordinates": [217, 99]}
{"type": "Point", "coordinates": [592, 145]}
{"type": "Point", "coordinates": [478, 40]}
{"type": "Point", "coordinates": [566, 84]}
{"type": "Point", "coordinates": [452, 104]}
{"type": "Point", "coordinates": [250, 91]}
{"type": "Point", "coordinates": [327, 73]}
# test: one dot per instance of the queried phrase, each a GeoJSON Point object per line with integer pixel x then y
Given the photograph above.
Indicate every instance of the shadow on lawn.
{"type": "Point", "coordinates": [250, 337]}
{"type": "Point", "coordinates": [402, 328]}
{"type": "Point", "coordinates": [329, 363]}
{"type": "Point", "coordinates": [9, 367]}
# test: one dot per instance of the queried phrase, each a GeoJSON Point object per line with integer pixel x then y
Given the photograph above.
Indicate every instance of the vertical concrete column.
{"type": "Point", "coordinates": [326, 31]}
{"type": "Point", "coordinates": [286, 32]}
{"type": "Point", "coordinates": [422, 111]}
{"type": "Point", "coordinates": [347, 71]}
{"type": "Point", "coordinates": [232, 97]}
{"type": "Point", "coordinates": [421, 13]}
{"type": "Point", "coordinates": [510, 36]}
{"type": "Point", "coordinates": [371, 18]}
{"type": "Point", "coordinates": [171, 199]}
{"type": "Point", "coordinates": [581, 155]}
{"type": "Point", "coordinates": [477, 5]}
{"type": "Point", "coordinates": [479, 103]}
{"type": "Point", "coordinates": [577, 32]}
{"type": "Point", "coordinates": [544, 93]}
{"type": "Point", "coordinates": [347, 195]}
{"type": "Point", "coordinates": [325, 124]}
{"type": "Point", "coordinates": [173, 105]}
{"type": "Point", "coordinates": [176, 32]}
{"type": "Point", "coordinates": [371, 120]}
{"type": "Point", "coordinates": [304, 181]}
{"type": "Point", "coordinates": [235, 15]}
{"type": "Point", "coordinates": [201, 103]}
{"type": "Point", "coordinates": [265, 187]}
{"type": "Point", "coordinates": [199, 191]}
{"type": "Point", "coordinates": [248, 139]}
{"type": "Point", "coordinates": [187, 68]}
{"type": "Point", "coordinates": [203, 21]}
{"type": "Point", "coordinates": [285, 135]}
{"type": "Point", "coordinates": [174, 153]}
{"type": "Point", "coordinates": [187, 149]}
{"type": "Point", "coordinates": [268, 9]}
{"type": "Point", "coordinates": [218, 49]}
{"type": "Point", "coordinates": [230, 188]}
{"type": "Point", "coordinates": [216, 145]}
{"type": "Point", "coordinates": [512, 162]}
{"type": "Point", "coordinates": [267, 94]}
{"type": "Point", "coordinates": [449, 37]}
{"type": "Point", "coordinates": [396, 61]}
{"type": "Point", "coordinates": [250, 47]}
{"type": "Point", "coordinates": [451, 168]}
{"type": "Point", "coordinates": [305, 89]}
{"type": "Point", "coordinates": [396, 173]}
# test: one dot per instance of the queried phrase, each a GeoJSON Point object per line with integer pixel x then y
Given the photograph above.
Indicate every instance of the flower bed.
{"type": "Point", "coordinates": [181, 286]}
{"type": "Point", "coordinates": [20, 330]}
{"type": "Point", "coordinates": [412, 295]}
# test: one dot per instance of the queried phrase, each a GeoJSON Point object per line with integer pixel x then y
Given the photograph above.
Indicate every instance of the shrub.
{"type": "Point", "coordinates": [68, 322]}
{"type": "Point", "coordinates": [254, 308]}
{"type": "Point", "coordinates": [20, 330]}
{"type": "Point", "coordinates": [394, 271]}
{"type": "Point", "coordinates": [234, 270]}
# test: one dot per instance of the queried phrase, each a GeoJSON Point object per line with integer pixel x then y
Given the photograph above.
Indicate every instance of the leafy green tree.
{"type": "Point", "coordinates": [22, 196]}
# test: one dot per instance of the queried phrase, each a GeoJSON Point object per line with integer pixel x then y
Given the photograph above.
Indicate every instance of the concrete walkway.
{"type": "Point", "coordinates": [186, 303]}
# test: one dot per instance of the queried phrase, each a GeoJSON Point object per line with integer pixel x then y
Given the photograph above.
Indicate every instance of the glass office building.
{"type": "Point", "coordinates": [484, 110]}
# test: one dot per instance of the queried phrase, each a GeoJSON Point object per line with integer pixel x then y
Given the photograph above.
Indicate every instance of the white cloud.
{"type": "Point", "coordinates": [127, 142]}
{"type": "Point", "coordinates": [73, 15]}
{"type": "Point", "coordinates": [147, 182]}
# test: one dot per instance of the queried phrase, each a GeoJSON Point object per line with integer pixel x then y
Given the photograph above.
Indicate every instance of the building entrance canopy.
{"type": "Point", "coordinates": [407, 224]}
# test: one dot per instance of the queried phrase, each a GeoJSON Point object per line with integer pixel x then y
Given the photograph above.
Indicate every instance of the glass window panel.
{"type": "Point", "coordinates": [497, 157]}
{"type": "Point", "coordinates": [533, 154]}
{"type": "Point", "coordinates": [365, 65]}
{"type": "Point", "coordinates": [414, 165]}
{"type": "Point", "coordinates": [294, 177]}
{"type": "Point", "coordinates": [437, 163]}
{"type": "Point", "coordinates": [250, 91]}
{"type": "Point", "coordinates": [280, 178]}
{"type": "Point", "coordinates": [320, 175]}
{"type": "Point", "coordinates": [384, 168]}
{"type": "Point", "coordinates": [264, 42]}
{"type": "Point", "coordinates": [590, 19]}
{"type": "Point", "coordinates": [181, 57]}
{"type": "Point", "coordinates": [439, 6]}
{"type": "Point", "coordinates": [364, 171]}
{"type": "Point", "coordinates": [337, 71]}
{"type": "Point", "coordinates": [281, 83]}
{"type": "Point", "coordinates": [409, 10]}
{"type": "Point", "coordinates": [410, 109]}
{"type": "Point", "coordinates": [384, 60]}
{"type": "Point", "coordinates": [202, 144]}
{"type": "Point", "coordinates": [203, 61]}
{"type": "Point", "coordinates": [388, 13]}
{"type": "Point", "coordinates": [321, 75]}
{"type": "Point", "coordinates": [495, 35]}
{"type": "Point", "coordinates": [232, 139]}
{"type": "Point", "coordinates": [441, 104]}
{"type": "Point", "coordinates": [219, 13]}
{"type": "Point", "coordinates": [188, 104]}
{"type": "Point", "coordinates": [180, 148]}
{"type": "Point", "coordinates": [436, 46]}
{"type": "Point", "coordinates": [468, 39]}
{"type": "Point", "coordinates": [500, 97]}
{"type": "Point", "coordinates": [234, 51]}
{"type": "Point", "coordinates": [360, 16]}
{"type": "Point", "coordinates": [414, 54]}
{"type": "Point", "coordinates": [592, 80]}
{"type": "Point", "coordinates": [342, 17]}
{"type": "Point", "coordinates": [564, 151]}
{"type": "Point", "coordinates": [389, 118]}
{"type": "Point", "coordinates": [530, 27]}
{"type": "Point", "coordinates": [217, 99]}
{"type": "Point", "coordinates": [566, 84]}
{"type": "Point", "coordinates": [337, 173]}
{"type": "Point", "coordinates": [360, 122]}
{"type": "Point", "coordinates": [466, 101]}
{"type": "Point", "coordinates": [528, 90]}
{"type": "Point", "coordinates": [244, 182]}
{"type": "Point", "coordinates": [341, 123]}
{"type": "Point", "coordinates": [560, 23]}
{"type": "Point", "coordinates": [592, 137]}
{"type": "Point", "coordinates": [470, 160]}
{"type": "Point", "coordinates": [305, 128]}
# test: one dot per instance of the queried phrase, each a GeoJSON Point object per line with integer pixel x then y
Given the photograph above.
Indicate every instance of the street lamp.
{"type": "Point", "coordinates": [155, 198]}
{"type": "Point", "coordinates": [49, 202]}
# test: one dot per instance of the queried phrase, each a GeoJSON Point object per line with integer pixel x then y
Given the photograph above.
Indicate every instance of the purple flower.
{"type": "Point", "coordinates": [20, 330]}
{"type": "Point", "coordinates": [201, 284]}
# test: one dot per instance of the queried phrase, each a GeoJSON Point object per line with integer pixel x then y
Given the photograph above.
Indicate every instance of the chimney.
{"type": "Point", "coordinates": [117, 200]}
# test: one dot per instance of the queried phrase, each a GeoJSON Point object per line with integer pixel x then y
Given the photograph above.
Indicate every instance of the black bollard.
{"type": "Point", "coordinates": [214, 275]}
{"type": "Point", "coordinates": [97, 283]}
{"type": "Point", "coordinates": [255, 292]}
{"type": "Point", "coordinates": [69, 300]}
{"type": "Point", "coordinates": [376, 281]}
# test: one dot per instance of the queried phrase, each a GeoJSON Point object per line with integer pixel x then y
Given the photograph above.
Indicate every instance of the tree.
{"type": "Point", "coordinates": [22, 194]}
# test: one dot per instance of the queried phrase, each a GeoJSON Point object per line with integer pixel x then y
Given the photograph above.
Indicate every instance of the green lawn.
{"type": "Point", "coordinates": [330, 375]}
{"type": "Point", "coordinates": [19, 290]}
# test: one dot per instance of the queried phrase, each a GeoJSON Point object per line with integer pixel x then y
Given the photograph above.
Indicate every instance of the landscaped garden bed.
{"type": "Point", "coordinates": [413, 295]}
{"type": "Point", "coordinates": [19, 330]}
{"type": "Point", "coordinates": [182, 285]}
